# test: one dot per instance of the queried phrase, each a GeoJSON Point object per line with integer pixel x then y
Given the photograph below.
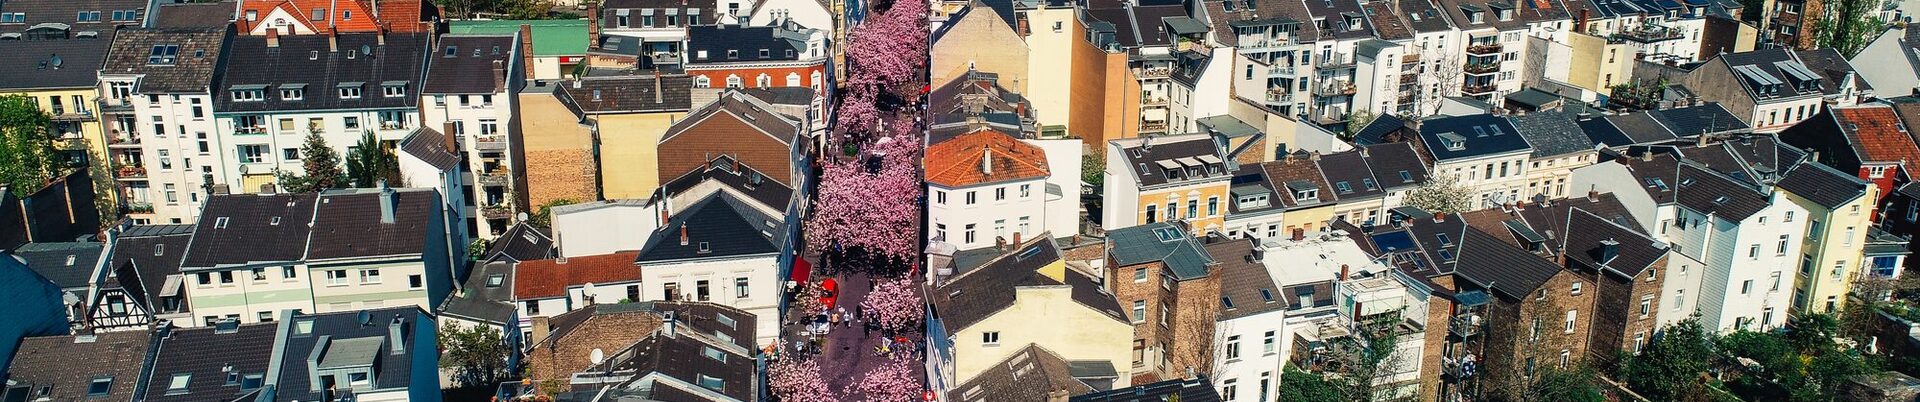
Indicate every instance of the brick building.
{"type": "Point", "coordinates": [1166, 280]}
{"type": "Point", "coordinates": [741, 126]}
{"type": "Point", "coordinates": [572, 342]}
{"type": "Point", "coordinates": [734, 56]}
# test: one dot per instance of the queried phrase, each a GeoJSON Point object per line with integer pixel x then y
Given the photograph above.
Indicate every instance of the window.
{"type": "Point", "coordinates": [336, 277]}
{"type": "Point", "coordinates": [1139, 275]}
{"type": "Point", "coordinates": [259, 274]}
{"type": "Point", "coordinates": [351, 122]}
{"type": "Point", "coordinates": [1139, 311]}
{"type": "Point", "coordinates": [1788, 218]}
{"type": "Point", "coordinates": [1213, 206]}
{"type": "Point", "coordinates": [1781, 248]}
{"type": "Point", "coordinates": [1776, 281]}
{"type": "Point", "coordinates": [972, 198]}
{"type": "Point", "coordinates": [100, 387]}
{"type": "Point", "coordinates": [990, 338]}
{"type": "Point", "coordinates": [533, 307]}
{"type": "Point", "coordinates": [178, 385]}
{"type": "Point", "coordinates": [253, 153]}
{"type": "Point", "coordinates": [712, 383]}
{"type": "Point", "coordinates": [1679, 297]}
{"type": "Point", "coordinates": [1753, 252]}
{"type": "Point", "coordinates": [290, 154]}
{"type": "Point", "coordinates": [1746, 286]}
{"type": "Point", "coordinates": [1227, 389]}
{"type": "Point", "coordinates": [166, 163]}
{"type": "Point", "coordinates": [357, 379]}
{"type": "Point", "coordinates": [226, 277]}
{"type": "Point", "coordinates": [248, 95]}
{"type": "Point", "coordinates": [740, 288]}
{"type": "Point", "coordinates": [969, 233]}
{"type": "Point", "coordinates": [1576, 288]}
{"type": "Point", "coordinates": [393, 90]}
{"type": "Point", "coordinates": [701, 291]}
{"type": "Point", "coordinates": [489, 127]}
{"type": "Point", "coordinates": [162, 55]}
{"type": "Point", "coordinates": [349, 92]}
{"type": "Point", "coordinates": [289, 272]}
{"type": "Point", "coordinates": [415, 281]}
{"type": "Point", "coordinates": [1646, 305]}
{"type": "Point", "coordinates": [369, 276]}
{"type": "Point", "coordinates": [1572, 316]}
{"type": "Point", "coordinates": [1233, 347]}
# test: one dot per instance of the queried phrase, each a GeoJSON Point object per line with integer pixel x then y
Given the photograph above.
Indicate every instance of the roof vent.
{"type": "Point", "coordinates": [226, 326]}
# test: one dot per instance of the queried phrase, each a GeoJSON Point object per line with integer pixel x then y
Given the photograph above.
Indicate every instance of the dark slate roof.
{"type": "Point", "coordinates": [1710, 192]}
{"type": "Point", "coordinates": [1507, 269]}
{"type": "Point", "coordinates": [143, 258]}
{"type": "Point", "coordinates": [1028, 374]}
{"type": "Point", "coordinates": [258, 228]}
{"type": "Point", "coordinates": [738, 176]}
{"type": "Point", "coordinates": [682, 355]}
{"type": "Point", "coordinates": [975, 294]}
{"type": "Point", "coordinates": [41, 14]}
{"type": "Point", "coordinates": [744, 41]}
{"type": "Point", "coordinates": [1483, 134]}
{"type": "Point", "coordinates": [430, 146]}
{"type": "Point", "coordinates": [1199, 389]}
{"type": "Point", "coordinates": [522, 242]}
{"type": "Point", "coordinates": [193, 69]}
{"type": "Point", "coordinates": [69, 264]}
{"type": "Point", "coordinates": [71, 363]}
{"type": "Point", "coordinates": [1641, 127]}
{"type": "Point", "coordinates": [1350, 175]}
{"type": "Point", "coordinates": [1145, 154]}
{"type": "Point", "coordinates": [749, 110]}
{"type": "Point", "coordinates": [1764, 152]}
{"type": "Point", "coordinates": [1829, 64]}
{"type": "Point", "coordinates": [1635, 251]}
{"type": "Point", "coordinates": [53, 63]}
{"type": "Point", "coordinates": [487, 294]}
{"type": "Point", "coordinates": [308, 60]}
{"type": "Point", "coordinates": [341, 329]}
{"type": "Point", "coordinates": [722, 223]}
{"type": "Point", "coordinates": [1334, 14]}
{"type": "Point", "coordinates": [1430, 18]}
{"type": "Point", "coordinates": [1601, 131]}
{"type": "Point", "coordinates": [348, 224]}
{"type": "Point", "coordinates": [781, 95]}
{"type": "Point", "coordinates": [1765, 62]}
{"type": "Point", "coordinates": [1163, 242]}
{"type": "Point", "coordinates": [627, 94]}
{"type": "Point", "coordinates": [1823, 185]}
{"type": "Point", "coordinates": [1389, 160]}
{"type": "Point", "coordinates": [1244, 280]}
{"type": "Point", "coordinates": [206, 354]}
{"type": "Point", "coordinates": [465, 64]}
{"type": "Point", "coordinates": [1376, 131]}
{"type": "Point", "coordinates": [194, 15]}
{"type": "Point", "coordinates": [1694, 120]}
{"type": "Point", "coordinates": [1552, 133]}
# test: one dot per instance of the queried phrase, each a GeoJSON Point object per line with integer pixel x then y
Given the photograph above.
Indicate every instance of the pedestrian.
{"type": "Point", "coordinates": [841, 312]}
{"type": "Point", "coordinates": [833, 320]}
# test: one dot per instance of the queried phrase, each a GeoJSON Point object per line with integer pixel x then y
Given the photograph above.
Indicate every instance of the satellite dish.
{"type": "Point", "coordinates": [54, 60]}
{"type": "Point", "coordinates": [366, 49]}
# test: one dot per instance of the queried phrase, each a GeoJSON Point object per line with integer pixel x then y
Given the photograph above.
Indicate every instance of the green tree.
{"type": "Point", "coordinates": [1666, 367]}
{"type": "Point", "coordinates": [1296, 385]}
{"type": "Point", "coordinates": [477, 249]}
{"type": "Point", "coordinates": [1093, 167]}
{"type": "Point", "coordinates": [1441, 193]}
{"type": "Point", "coordinates": [544, 216]}
{"type": "Point", "coordinates": [27, 159]}
{"type": "Point", "coordinates": [1357, 120]}
{"type": "Point", "coordinates": [1848, 25]}
{"type": "Point", "coordinates": [1572, 384]}
{"type": "Point", "coordinates": [321, 165]}
{"type": "Point", "coordinates": [369, 163]}
{"type": "Point", "coordinates": [478, 355]}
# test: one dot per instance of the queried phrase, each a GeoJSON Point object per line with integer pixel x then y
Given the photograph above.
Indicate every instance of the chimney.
{"type": "Point", "coordinates": [658, 95]}
{"type": "Point", "coordinates": [526, 49]}
{"type": "Point", "coordinates": [1344, 271]}
{"type": "Point", "coordinates": [1701, 140]}
{"type": "Point", "coordinates": [380, 35]}
{"type": "Point", "coordinates": [1593, 195]}
{"type": "Point", "coordinates": [333, 40]}
{"type": "Point", "coordinates": [1608, 250]}
{"type": "Point", "coordinates": [668, 321]}
{"type": "Point", "coordinates": [986, 161]}
{"type": "Point", "coordinates": [999, 243]}
{"type": "Point", "coordinates": [683, 235]}
{"type": "Point", "coordinates": [446, 133]}
{"type": "Point", "coordinates": [397, 335]}
{"type": "Point", "coordinates": [593, 24]}
{"type": "Point", "coordinates": [386, 202]}
{"type": "Point", "coordinates": [273, 38]}
{"type": "Point", "coordinates": [1299, 234]}
{"type": "Point", "coordinates": [1580, 24]}
{"type": "Point", "coordinates": [1439, 217]}
{"type": "Point", "coordinates": [1016, 239]}
{"type": "Point", "coordinates": [1646, 155]}
{"type": "Point", "coordinates": [500, 73]}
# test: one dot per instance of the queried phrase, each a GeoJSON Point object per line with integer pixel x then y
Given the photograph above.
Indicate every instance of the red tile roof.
{"type": "Point", "coordinates": [405, 15]}
{"type": "Point", "coordinates": [541, 279]}
{"type": "Point", "coordinates": [1878, 136]}
{"type": "Point", "coordinates": [346, 16]}
{"type": "Point", "coordinates": [956, 162]}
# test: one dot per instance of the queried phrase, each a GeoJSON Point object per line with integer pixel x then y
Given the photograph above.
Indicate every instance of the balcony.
{"type": "Point", "coordinates": [1461, 368]}
{"type": "Point", "coordinates": [1152, 101]}
{"type": "Point", "coordinates": [1650, 34]}
{"type": "Point", "coordinates": [1465, 325]}
{"type": "Point", "coordinates": [1154, 72]}
{"type": "Point", "coordinates": [1283, 71]}
{"type": "Point", "coordinates": [258, 129]}
{"type": "Point", "coordinates": [1335, 88]}
{"type": "Point", "coordinates": [493, 142]}
{"type": "Point", "coordinates": [1491, 48]}
{"type": "Point", "coordinates": [1153, 127]}
{"type": "Point", "coordinates": [1335, 60]}
{"type": "Point", "coordinates": [393, 125]}
{"type": "Point", "coordinates": [1482, 68]}
{"type": "Point", "coordinates": [137, 207]}
{"type": "Point", "coordinates": [111, 106]}
{"type": "Point", "coordinates": [1478, 89]}
{"type": "Point", "coordinates": [496, 212]}
{"type": "Point", "coordinates": [131, 173]}
{"type": "Point", "coordinates": [122, 139]}
{"type": "Point", "coordinates": [72, 115]}
{"type": "Point", "coordinates": [496, 178]}
{"type": "Point", "coordinates": [1279, 96]}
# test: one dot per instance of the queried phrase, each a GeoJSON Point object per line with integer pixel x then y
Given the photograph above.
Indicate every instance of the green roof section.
{"type": "Point", "coordinates": [550, 37]}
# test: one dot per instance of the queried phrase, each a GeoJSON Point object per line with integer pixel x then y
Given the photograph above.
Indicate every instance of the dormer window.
{"type": "Point", "coordinates": [1253, 201]}
{"type": "Point", "coordinates": [249, 93]}
{"type": "Point", "coordinates": [733, 54]}
{"type": "Point", "coordinates": [349, 90]}
{"type": "Point", "coordinates": [1454, 142]}
{"type": "Point", "coordinates": [1506, 15]}
{"type": "Point", "coordinates": [1473, 13]}
{"type": "Point", "coordinates": [13, 18]}
{"type": "Point", "coordinates": [1307, 195]}
{"type": "Point", "coordinates": [393, 89]}
{"type": "Point", "coordinates": [293, 92]}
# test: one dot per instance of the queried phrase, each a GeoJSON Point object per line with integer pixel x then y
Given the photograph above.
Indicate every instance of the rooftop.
{"type": "Point", "coordinates": [53, 63]}
{"type": "Point", "coordinates": [242, 229]}
{"type": "Point", "coordinates": [69, 264]}
{"type": "Point", "coordinates": [171, 60]}
{"type": "Point", "coordinates": [551, 38]}
{"type": "Point", "coordinates": [1161, 242]}
{"type": "Point", "coordinates": [1465, 137]}
{"type": "Point", "coordinates": [541, 279]}
{"type": "Point", "coordinates": [470, 65]}
{"type": "Point", "coordinates": [718, 226]}
{"type": "Point", "coordinates": [347, 71]}
{"type": "Point", "coordinates": [106, 365]}
{"type": "Point", "coordinates": [981, 292]}
{"type": "Point", "coordinates": [983, 156]}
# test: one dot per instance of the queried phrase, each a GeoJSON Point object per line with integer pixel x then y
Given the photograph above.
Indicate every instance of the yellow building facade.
{"type": "Point", "coordinates": [629, 152]}
{"type": "Point", "coordinates": [1047, 316]}
{"type": "Point", "coordinates": [76, 128]}
{"type": "Point", "coordinates": [1832, 251]}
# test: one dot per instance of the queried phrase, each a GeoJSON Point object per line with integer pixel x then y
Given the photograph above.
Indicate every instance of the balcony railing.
{"type": "Point", "coordinates": [1284, 71]}
{"type": "Point", "coordinates": [81, 114]}
{"type": "Point", "coordinates": [493, 179]}
{"type": "Point", "coordinates": [493, 142]}
{"type": "Point", "coordinates": [137, 207]}
{"type": "Point", "coordinates": [115, 105]}
{"type": "Point", "coordinates": [1153, 127]}
{"type": "Point", "coordinates": [1279, 98]}
{"type": "Point", "coordinates": [1482, 68]}
{"type": "Point", "coordinates": [1485, 49]}
{"type": "Point", "coordinates": [1478, 89]}
{"type": "Point", "coordinates": [1334, 60]}
{"type": "Point", "coordinates": [393, 125]}
{"type": "Point", "coordinates": [1334, 89]}
{"type": "Point", "coordinates": [1651, 33]}
{"type": "Point", "coordinates": [1155, 72]}
{"type": "Point", "coordinates": [496, 212]}
{"type": "Point", "coordinates": [1465, 325]}
{"type": "Point", "coordinates": [131, 172]}
{"type": "Point", "coordinates": [238, 129]}
{"type": "Point", "coordinates": [1153, 101]}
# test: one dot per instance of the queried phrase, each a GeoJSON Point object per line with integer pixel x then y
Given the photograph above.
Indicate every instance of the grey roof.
{"type": "Point", "coordinates": [69, 264]}
{"type": "Point", "coordinates": [465, 65]}
{"type": "Point", "coordinates": [1028, 374]}
{"type": "Point", "coordinates": [143, 257]}
{"type": "Point", "coordinates": [53, 63]}
{"type": "Point", "coordinates": [348, 224]}
{"type": "Point", "coordinates": [1198, 389]}
{"type": "Point", "coordinates": [1163, 242]}
{"type": "Point", "coordinates": [257, 228]}
{"type": "Point", "coordinates": [1185, 25]}
{"type": "Point", "coordinates": [1710, 192]}
{"type": "Point", "coordinates": [1533, 97]}
{"type": "Point", "coordinates": [1601, 131]}
{"type": "Point", "coordinates": [684, 356]}
{"type": "Point", "coordinates": [194, 15]}
{"type": "Point", "coordinates": [782, 95]}
{"type": "Point", "coordinates": [727, 172]}
{"type": "Point", "coordinates": [976, 294]}
{"type": "Point", "coordinates": [344, 330]}
{"type": "Point", "coordinates": [192, 69]}
{"type": "Point", "coordinates": [1823, 185]}
{"type": "Point", "coordinates": [1552, 133]}
{"type": "Point", "coordinates": [719, 223]}
{"type": "Point", "coordinates": [1641, 127]}
{"type": "Point", "coordinates": [206, 356]}
{"type": "Point", "coordinates": [1711, 118]}
{"type": "Point", "coordinates": [1144, 155]}
{"type": "Point", "coordinates": [43, 15]}
{"type": "Point", "coordinates": [1635, 252]}
{"type": "Point", "coordinates": [1244, 281]}
{"type": "Point", "coordinates": [1509, 270]}
{"type": "Point", "coordinates": [735, 43]}
{"type": "Point", "coordinates": [1480, 135]}
{"type": "Point", "coordinates": [67, 365]}
{"type": "Point", "coordinates": [1772, 66]}
{"type": "Point", "coordinates": [323, 68]}
{"type": "Point", "coordinates": [522, 242]}
{"type": "Point", "coordinates": [487, 295]}
{"type": "Point", "coordinates": [1396, 165]}
{"type": "Point", "coordinates": [1227, 125]}
{"type": "Point", "coordinates": [627, 94]}
{"type": "Point", "coordinates": [1351, 176]}
{"type": "Point", "coordinates": [430, 146]}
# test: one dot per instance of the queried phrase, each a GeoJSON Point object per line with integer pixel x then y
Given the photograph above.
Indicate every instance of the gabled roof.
{"type": "Point", "coordinates": [241, 229]}
{"type": "Point", "coordinates": [1634, 251]}
{"type": "Point", "coordinates": [1159, 242]}
{"type": "Point", "coordinates": [350, 223]}
{"type": "Point", "coordinates": [522, 242]}
{"type": "Point", "coordinates": [322, 66]}
{"type": "Point", "coordinates": [47, 15]}
{"type": "Point", "coordinates": [205, 355]}
{"type": "Point", "coordinates": [1641, 128]}
{"type": "Point", "coordinates": [1459, 137]}
{"type": "Point", "coordinates": [1602, 132]}
{"type": "Point", "coordinates": [1244, 280]}
{"type": "Point", "coordinates": [67, 264]}
{"type": "Point", "coordinates": [723, 169]}
{"type": "Point", "coordinates": [1779, 68]}
{"type": "Point", "coordinates": [344, 16]}
{"type": "Point", "coordinates": [692, 359]}
{"type": "Point", "coordinates": [53, 63]}
{"type": "Point", "coordinates": [747, 109]}
{"type": "Point", "coordinates": [627, 94]}
{"type": "Point", "coordinates": [1299, 172]}
{"type": "Point", "coordinates": [1552, 133]}
{"type": "Point", "coordinates": [486, 296]}
{"type": "Point", "coordinates": [1823, 185]}
{"type": "Point", "coordinates": [549, 278]}
{"type": "Point", "coordinates": [1198, 389]}
{"type": "Point", "coordinates": [718, 226]}
{"type": "Point", "coordinates": [1877, 135]}
{"type": "Point", "coordinates": [466, 65]}
{"type": "Point", "coordinates": [1509, 270]}
{"type": "Point", "coordinates": [1149, 158]}
{"type": "Point", "coordinates": [983, 156]}
{"type": "Point", "coordinates": [1711, 118]}
{"type": "Point", "coordinates": [68, 365]}
{"type": "Point", "coordinates": [430, 146]}
{"type": "Point", "coordinates": [736, 43]}
{"type": "Point", "coordinates": [191, 69]}
{"type": "Point", "coordinates": [1395, 165]}
{"type": "Point", "coordinates": [1709, 192]}
{"type": "Point", "coordinates": [343, 339]}
{"type": "Point", "coordinates": [1031, 373]}
{"type": "Point", "coordinates": [143, 257]}
{"type": "Point", "coordinates": [983, 291]}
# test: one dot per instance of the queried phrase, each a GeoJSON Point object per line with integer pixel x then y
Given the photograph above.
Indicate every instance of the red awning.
{"type": "Point", "coordinates": [801, 270]}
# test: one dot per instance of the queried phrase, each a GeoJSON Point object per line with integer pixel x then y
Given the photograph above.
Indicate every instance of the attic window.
{"type": "Point", "coordinates": [704, 248]}
{"type": "Point", "coordinates": [764, 53]}
{"type": "Point", "coordinates": [733, 54]}
{"type": "Point", "coordinates": [220, 222]}
{"type": "Point", "coordinates": [725, 320]}
{"type": "Point", "coordinates": [1406, 177]}
{"type": "Point", "coordinates": [1226, 302]}
{"type": "Point", "coordinates": [452, 51]}
{"type": "Point", "coordinates": [1657, 183]}
{"type": "Point", "coordinates": [1266, 295]}
{"type": "Point", "coordinates": [71, 258]}
{"type": "Point", "coordinates": [714, 354]}
{"type": "Point", "coordinates": [319, 14]}
{"type": "Point", "coordinates": [713, 383]}
{"type": "Point", "coordinates": [100, 387]}
{"type": "Point", "coordinates": [275, 221]}
{"type": "Point", "coordinates": [159, 250]}
{"type": "Point", "coordinates": [1446, 255]}
{"type": "Point", "coordinates": [163, 55]}
{"type": "Point", "coordinates": [1444, 241]}
{"type": "Point", "coordinates": [178, 384]}
{"type": "Point", "coordinates": [1166, 234]}
{"type": "Point", "coordinates": [495, 280]}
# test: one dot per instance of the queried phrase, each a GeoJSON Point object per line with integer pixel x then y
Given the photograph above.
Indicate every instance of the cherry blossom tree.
{"type": "Point", "coordinates": [894, 381]}
{"type": "Point", "coordinates": [798, 380]}
{"type": "Point", "coordinates": [859, 111]}
{"type": "Point", "coordinates": [889, 49]}
{"type": "Point", "coordinates": [875, 211]}
{"type": "Point", "coordinates": [895, 304]}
